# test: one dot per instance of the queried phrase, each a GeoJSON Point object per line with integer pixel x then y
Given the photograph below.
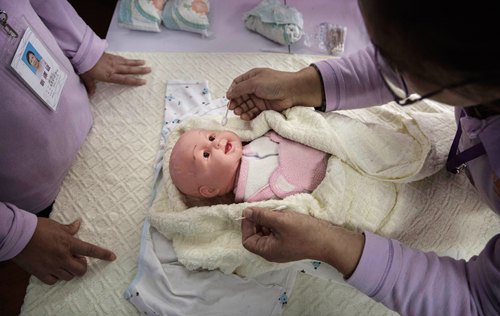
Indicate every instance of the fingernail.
{"type": "Point", "coordinates": [247, 213]}
{"type": "Point", "coordinates": [112, 257]}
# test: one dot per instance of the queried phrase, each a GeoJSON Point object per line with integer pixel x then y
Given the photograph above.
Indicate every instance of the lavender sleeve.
{"type": "Point", "coordinates": [412, 282]}
{"type": "Point", "coordinates": [353, 82]}
{"type": "Point", "coordinates": [16, 229]}
{"type": "Point", "coordinates": [76, 39]}
{"type": "Point", "coordinates": [83, 49]}
{"type": "Point", "coordinates": [406, 280]}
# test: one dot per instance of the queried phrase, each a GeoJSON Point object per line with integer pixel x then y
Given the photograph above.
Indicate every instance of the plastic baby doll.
{"type": "Point", "coordinates": [208, 164]}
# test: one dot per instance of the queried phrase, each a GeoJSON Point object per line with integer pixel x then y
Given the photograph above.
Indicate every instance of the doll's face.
{"type": "Point", "coordinates": [205, 163]}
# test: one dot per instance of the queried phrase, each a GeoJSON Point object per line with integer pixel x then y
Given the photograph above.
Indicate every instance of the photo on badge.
{"type": "Point", "coordinates": [33, 60]}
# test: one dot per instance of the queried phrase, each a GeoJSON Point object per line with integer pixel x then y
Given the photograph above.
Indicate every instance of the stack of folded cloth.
{"type": "Point", "coordinates": [275, 21]}
{"type": "Point", "coordinates": [187, 15]}
{"type": "Point", "coordinates": [147, 15]}
{"type": "Point", "coordinates": [142, 15]}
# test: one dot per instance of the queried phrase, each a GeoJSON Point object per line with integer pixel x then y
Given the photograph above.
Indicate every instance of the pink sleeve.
{"type": "Point", "coordinates": [412, 282]}
{"type": "Point", "coordinates": [76, 39]}
{"type": "Point", "coordinates": [16, 229]}
{"type": "Point", "coordinates": [353, 82]}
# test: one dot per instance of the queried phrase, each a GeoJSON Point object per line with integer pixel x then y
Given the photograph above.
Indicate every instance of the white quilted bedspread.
{"type": "Point", "coordinates": [111, 179]}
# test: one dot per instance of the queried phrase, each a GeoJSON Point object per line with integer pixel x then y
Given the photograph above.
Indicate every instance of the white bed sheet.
{"type": "Point", "coordinates": [110, 182]}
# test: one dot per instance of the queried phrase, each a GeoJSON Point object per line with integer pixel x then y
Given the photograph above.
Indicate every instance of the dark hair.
{"type": "Point", "coordinates": [442, 42]}
{"type": "Point", "coordinates": [28, 53]}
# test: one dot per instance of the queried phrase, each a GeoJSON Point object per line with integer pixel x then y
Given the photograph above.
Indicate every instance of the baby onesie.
{"type": "Point", "coordinates": [163, 286]}
{"type": "Point", "coordinates": [273, 167]}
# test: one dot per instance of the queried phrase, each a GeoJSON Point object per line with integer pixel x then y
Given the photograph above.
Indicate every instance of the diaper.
{"type": "Point", "coordinates": [275, 21]}
{"type": "Point", "coordinates": [187, 15]}
{"type": "Point", "coordinates": [142, 15]}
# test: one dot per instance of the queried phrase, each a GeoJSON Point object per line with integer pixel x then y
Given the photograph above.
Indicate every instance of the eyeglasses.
{"type": "Point", "coordinates": [396, 83]}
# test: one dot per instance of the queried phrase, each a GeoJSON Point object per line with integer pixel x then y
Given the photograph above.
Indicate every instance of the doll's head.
{"type": "Point", "coordinates": [205, 163]}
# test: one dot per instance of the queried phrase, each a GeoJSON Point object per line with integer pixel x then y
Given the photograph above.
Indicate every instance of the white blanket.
{"type": "Point", "coordinates": [361, 188]}
{"type": "Point", "coordinates": [109, 186]}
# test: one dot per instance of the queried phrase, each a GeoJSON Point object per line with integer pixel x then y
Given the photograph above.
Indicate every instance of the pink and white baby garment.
{"type": "Point", "coordinates": [273, 167]}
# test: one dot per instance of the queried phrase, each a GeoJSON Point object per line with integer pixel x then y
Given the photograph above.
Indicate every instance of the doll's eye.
{"type": "Point", "coordinates": [211, 138]}
{"type": "Point", "coordinates": [206, 155]}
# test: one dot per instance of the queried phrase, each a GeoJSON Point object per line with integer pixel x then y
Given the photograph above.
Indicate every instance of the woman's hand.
{"type": "Point", "coordinates": [291, 236]}
{"type": "Point", "coordinates": [263, 89]}
{"type": "Point", "coordinates": [115, 69]}
{"type": "Point", "coordinates": [54, 253]}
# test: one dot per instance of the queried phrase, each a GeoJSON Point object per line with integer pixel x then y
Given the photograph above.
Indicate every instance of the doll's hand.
{"type": "Point", "coordinates": [263, 89]}
{"type": "Point", "coordinates": [115, 69]}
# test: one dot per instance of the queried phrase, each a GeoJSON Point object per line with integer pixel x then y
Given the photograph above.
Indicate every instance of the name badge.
{"type": "Point", "coordinates": [39, 71]}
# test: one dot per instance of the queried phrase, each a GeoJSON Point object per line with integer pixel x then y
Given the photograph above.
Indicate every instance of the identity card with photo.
{"type": "Point", "coordinates": [38, 69]}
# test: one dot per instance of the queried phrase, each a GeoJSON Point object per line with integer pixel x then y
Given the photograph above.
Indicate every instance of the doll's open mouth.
{"type": "Point", "coordinates": [228, 148]}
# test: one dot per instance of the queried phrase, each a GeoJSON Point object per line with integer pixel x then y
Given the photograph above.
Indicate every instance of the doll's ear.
{"type": "Point", "coordinates": [208, 192]}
